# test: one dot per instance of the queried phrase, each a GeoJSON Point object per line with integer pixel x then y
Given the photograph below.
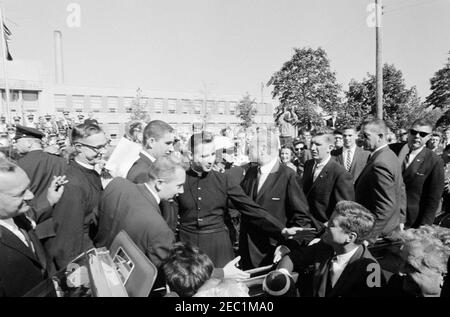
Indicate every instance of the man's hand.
{"type": "Point", "coordinates": [280, 252]}
{"type": "Point", "coordinates": [289, 233]}
{"type": "Point", "coordinates": [56, 189]}
{"type": "Point", "coordinates": [232, 272]}
{"type": "Point", "coordinates": [313, 241]}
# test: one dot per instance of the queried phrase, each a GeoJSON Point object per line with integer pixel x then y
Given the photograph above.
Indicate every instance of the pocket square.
{"type": "Point", "coordinates": [420, 174]}
{"type": "Point", "coordinates": [275, 198]}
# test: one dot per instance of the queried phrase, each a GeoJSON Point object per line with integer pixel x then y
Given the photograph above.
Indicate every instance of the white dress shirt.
{"type": "Point", "coordinates": [413, 154]}
{"type": "Point", "coordinates": [265, 171]}
{"type": "Point", "coordinates": [346, 151]}
{"type": "Point", "coordinates": [11, 226]}
{"type": "Point", "coordinates": [318, 167]}
{"type": "Point", "coordinates": [338, 264]}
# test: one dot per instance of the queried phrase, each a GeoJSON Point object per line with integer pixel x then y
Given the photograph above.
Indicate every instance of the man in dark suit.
{"type": "Point", "coordinates": [158, 140]}
{"type": "Point", "coordinates": [333, 122]}
{"type": "Point", "coordinates": [135, 209]}
{"type": "Point", "coordinates": [23, 262]}
{"type": "Point", "coordinates": [41, 167]}
{"type": "Point", "coordinates": [380, 187]}
{"type": "Point", "coordinates": [351, 156]}
{"type": "Point", "coordinates": [325, 182]}
{"type": "Point", "coordinates": [423, 174]}
{"type": "Point", "coordinates": [343, 266]}
{"type": "Point", "coordinates": [274, 187]}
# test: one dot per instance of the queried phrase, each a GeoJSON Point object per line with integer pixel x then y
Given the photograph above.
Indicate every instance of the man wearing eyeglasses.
{"type": "Point", "coordinates": [74, 215]}
{"type": "Point", "coordinates": [423, 174]}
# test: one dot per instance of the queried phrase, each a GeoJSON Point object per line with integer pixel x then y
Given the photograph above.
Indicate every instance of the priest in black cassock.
{"type": "Point", "coordinates": [202, 206]}
{"type": "Point", "coordinates": [74, 213]}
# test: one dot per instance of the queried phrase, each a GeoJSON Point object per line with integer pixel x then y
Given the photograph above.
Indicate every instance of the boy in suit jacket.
{"type": "Point", "coordinates": [158, 140]}
{"type": "Point", "coordinates": [343, 266]}
{"type": "Point", "coordinates": [325, 182]}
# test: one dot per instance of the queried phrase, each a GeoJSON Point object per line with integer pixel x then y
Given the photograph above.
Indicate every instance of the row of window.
{"type": "Point", "coordinates": [112, 104]}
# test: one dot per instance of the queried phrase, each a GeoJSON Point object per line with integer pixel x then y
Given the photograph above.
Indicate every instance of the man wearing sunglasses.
{"type": "Point", "coordinates": [423, 174]}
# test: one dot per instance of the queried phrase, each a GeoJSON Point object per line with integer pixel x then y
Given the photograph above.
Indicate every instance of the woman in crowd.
{"type": "Point", "coordinates": [425, 253]}
{"type": "Point", "coordinates": [286, 156]}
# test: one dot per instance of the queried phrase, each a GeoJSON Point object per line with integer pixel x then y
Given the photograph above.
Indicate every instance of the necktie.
{"type": "Point", "coordinates": [27, 238]}
{"type": "Point", "coordinates": [316, 172]}
{"type": "Point", "coordinates": [406, 162]}
{"type": "Point", "coordinates": [260, 183]}
{"type": "Point", "coordinates": [333, 276]}
{"type": "Point", "coordinates": [348, 161]}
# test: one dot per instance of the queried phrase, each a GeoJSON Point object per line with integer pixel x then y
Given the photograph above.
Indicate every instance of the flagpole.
{"type": "Point", "coordinates": [4, 57]}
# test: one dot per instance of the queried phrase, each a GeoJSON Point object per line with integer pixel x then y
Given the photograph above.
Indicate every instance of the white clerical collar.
{"type": "Point", "coordinates": [266, 169]}
{"type": "Point", "coordinates": [158, 200]}
{"type": "Point", "coordinates": [324, 162]}
{"type": "Point", "coordinates": [87, 166]}
{"type": "Point", "coordinates": [150, 157]}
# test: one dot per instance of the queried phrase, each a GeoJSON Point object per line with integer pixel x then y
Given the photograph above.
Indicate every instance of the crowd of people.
{"type": "Point", "coordinates": [335, 212]}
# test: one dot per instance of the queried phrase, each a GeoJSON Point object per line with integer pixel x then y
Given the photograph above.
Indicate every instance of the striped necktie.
{"type": "Point", "coordinates": [406, 162]}
{"type": "Point", "coordinates": [348, 161]}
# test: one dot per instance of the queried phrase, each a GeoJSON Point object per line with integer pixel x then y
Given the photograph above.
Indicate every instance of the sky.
{"type": "Point", "coordinates": [225, 46]}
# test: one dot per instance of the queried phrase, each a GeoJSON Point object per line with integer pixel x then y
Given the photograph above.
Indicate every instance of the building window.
{"type": "Point", "coordinates": [60, 101]}
{"type": "Point", "coordinates": [158, 105]}
{"type": "Point", "coordinates": [232, 108]}
{"type": "Point", "coordinates": [113, 103]}
{"type": "Point", "coordinates": [221, 107]}
{"type": "Point", "coordinates": [185, 105]}
{"type": "Point", "coordinates": [209, 106]}
{"type": "Point", "coordinates": [198, 106]}
{"type": "Point", "coordinates": [78, 103]}
{"type": "Point", "coordinates": [30, 95]}
{"type": "Point", "coordinates": [112, 110]}
{"type": "Point", "coordinates": [96, 103]}
{"type": "Point", "coordinates": [172, 105]}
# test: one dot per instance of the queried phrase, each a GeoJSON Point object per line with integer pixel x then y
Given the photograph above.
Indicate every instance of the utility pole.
{"type": "Point", "coordinates": [379, 66]}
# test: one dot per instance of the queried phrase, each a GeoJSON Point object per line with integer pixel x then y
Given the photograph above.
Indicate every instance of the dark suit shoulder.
{"type": "Point", "coordinates": [396, 147]}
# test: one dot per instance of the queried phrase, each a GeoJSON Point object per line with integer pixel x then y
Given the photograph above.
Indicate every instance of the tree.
{"type": "Point", "coordinates": [138, 108]}
{"type": "Point", "coordinates": [440, 88]}
{"type": "Point", "coordinates": [246, 111]}
{"type": "Point", "coordinates": [401, 105]}
{"type": "Point", "coordinates": [306, 84]}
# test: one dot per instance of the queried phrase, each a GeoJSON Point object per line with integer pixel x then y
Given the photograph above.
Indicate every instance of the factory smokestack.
{"type": "Point", "coordinates": [59, 71]}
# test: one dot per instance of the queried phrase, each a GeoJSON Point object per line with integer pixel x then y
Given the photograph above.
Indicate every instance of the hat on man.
{"type": "Point", "coordinates": [27, 132]}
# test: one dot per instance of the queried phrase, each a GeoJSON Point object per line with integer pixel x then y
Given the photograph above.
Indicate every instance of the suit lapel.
{"type": "Point", "coordinates": [321, 286]}
{"type": "Point", "coordinates": [414, 166]}
{"type": "Point", "coordinates": [11, 240]}
{"type": "Point", "coordinates": [146, 193]}
{"type": "Point", "coordinates": [269, 180]}
{"type": "Point", "coordinates": [347, 271]}
{"type": "Point", "coordinates": [322, 175]}
{"type": "Point", "coordinates": [355, 159]}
